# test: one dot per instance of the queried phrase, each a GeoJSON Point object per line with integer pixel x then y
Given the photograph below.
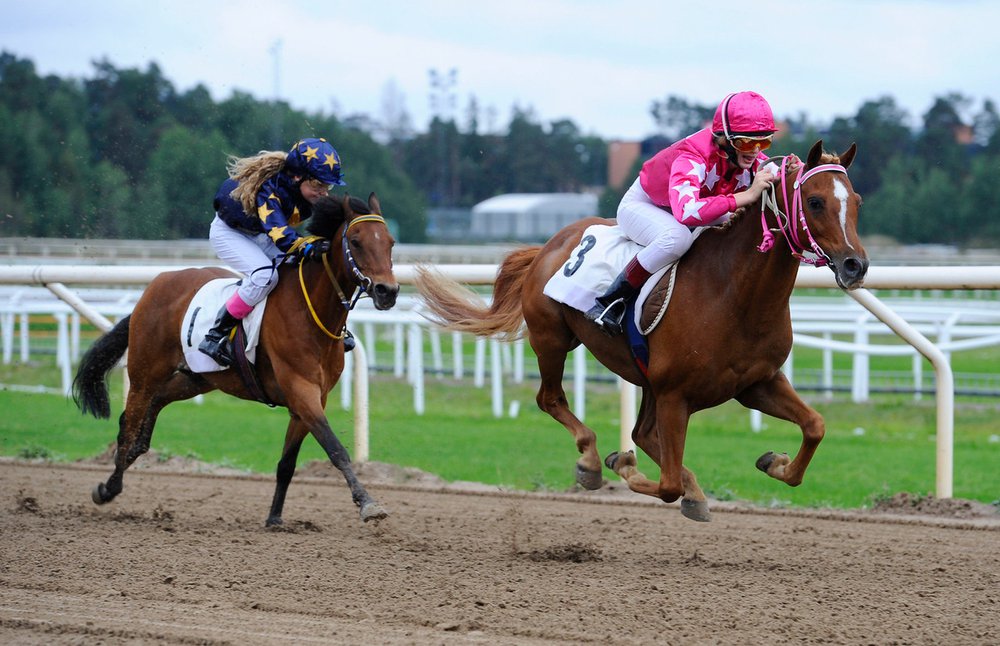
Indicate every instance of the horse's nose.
{"type": "Point", "coordinates": [384, 295]}
{"type": "Point", "coordinates": [853, 270]}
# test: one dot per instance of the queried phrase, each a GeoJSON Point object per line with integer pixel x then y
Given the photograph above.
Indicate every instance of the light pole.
{"type": "Point", "coordinates": [443, 107]}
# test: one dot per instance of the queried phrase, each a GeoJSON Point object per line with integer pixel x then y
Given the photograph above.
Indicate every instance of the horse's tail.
{"type": "Point", "coordinates": [90, 386]}
{"type": "Point", "coordinates": [455, 307]}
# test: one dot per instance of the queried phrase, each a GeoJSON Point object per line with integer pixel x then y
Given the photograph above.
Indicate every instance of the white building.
{"type": "Point", "coordinates": [529, 217]}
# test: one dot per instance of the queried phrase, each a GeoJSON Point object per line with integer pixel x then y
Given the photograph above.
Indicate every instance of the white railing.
{"type": "Point", "coordinates": [55, 277]}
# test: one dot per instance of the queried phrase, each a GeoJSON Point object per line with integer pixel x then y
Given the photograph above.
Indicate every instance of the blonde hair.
{"type": "Point", "coordinates": [251, 173]}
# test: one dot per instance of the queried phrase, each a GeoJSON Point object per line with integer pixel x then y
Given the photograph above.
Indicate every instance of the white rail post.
{"type": "Point", "coordinates": [496, 378]}
{"type": "Point", "coordinates": [519, 361]}
{"type": "Point", "coordinates": [25, 346]}
{"type": "Point", "coordinates": [434, 335]}
{"type": "Point", "coordinates": [945, 385]}
{"type": "Point", "coordinates": [7, 329]}
{"type": "Point", "coordinates": [345, 384]}
{"type": "Point", "coordinates": [627, 415]}
{"type": "Point", "coordinates": [360, 402]}
{"type": "Point", "coordinates": [580, 382]}
{"type": "Point", "coordinates": [416, 367]}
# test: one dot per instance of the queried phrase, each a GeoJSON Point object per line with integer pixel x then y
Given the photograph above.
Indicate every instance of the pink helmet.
{"type": "Point", "coordinates": [743, 113]}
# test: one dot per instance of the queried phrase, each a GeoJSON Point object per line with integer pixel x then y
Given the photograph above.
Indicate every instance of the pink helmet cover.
{"type": "Point", "coordinates": [745, 113]}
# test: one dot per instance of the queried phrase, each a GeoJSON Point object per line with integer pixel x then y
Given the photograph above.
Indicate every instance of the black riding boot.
{"type": "Point", "coordinates": [610, 308]}
{"type": "Point", "coordinates": [349, 341]}
{"type": "Point", "coordinates": [216, 342]}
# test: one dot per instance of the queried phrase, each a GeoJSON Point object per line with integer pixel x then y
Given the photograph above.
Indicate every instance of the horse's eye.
{"type": "Point", "coordinates": [815, 203]}
{"type": "Point", "coordinates": [356, 243]}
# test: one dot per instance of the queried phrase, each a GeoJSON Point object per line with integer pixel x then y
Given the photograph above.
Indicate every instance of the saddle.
{"type": "Point", "coordinates": [602, 254]}
{"type": "Point", "coordinates": [200, 316]}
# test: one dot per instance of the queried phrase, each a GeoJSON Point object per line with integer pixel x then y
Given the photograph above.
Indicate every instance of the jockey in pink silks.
{"type": "Point", "coordinates": [696, 182]}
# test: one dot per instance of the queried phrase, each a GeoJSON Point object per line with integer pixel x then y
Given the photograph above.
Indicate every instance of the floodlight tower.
{"type": "Point", "coordinates": [442, 100]}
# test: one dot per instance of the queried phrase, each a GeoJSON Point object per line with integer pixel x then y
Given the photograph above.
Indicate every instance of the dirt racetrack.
{"type": "Point", "coordinates": [184, 558]}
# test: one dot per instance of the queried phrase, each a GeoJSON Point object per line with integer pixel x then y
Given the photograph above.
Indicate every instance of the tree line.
{"type": "Point", "coordinates": [124, 154]}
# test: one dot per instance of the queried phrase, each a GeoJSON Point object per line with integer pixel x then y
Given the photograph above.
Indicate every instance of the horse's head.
{"type": "Point", "coordinates": [365, 243]}
{"type": "Point", "coordinates": [368, 248]}
{"type": "Point", "coordinates": [824, 209]}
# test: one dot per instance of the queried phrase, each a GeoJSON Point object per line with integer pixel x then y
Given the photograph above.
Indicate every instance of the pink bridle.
{"type": "Point", "coordinates": [785, 223]}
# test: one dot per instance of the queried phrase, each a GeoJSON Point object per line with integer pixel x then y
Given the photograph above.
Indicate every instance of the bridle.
{"type": "Point", "coordinates": [364, 282]}
{"type": "Point", "coordinates": [769, 200]}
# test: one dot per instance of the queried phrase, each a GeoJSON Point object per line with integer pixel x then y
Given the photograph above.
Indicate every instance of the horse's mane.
{"type": "Point", "coordinates": [328, 214]}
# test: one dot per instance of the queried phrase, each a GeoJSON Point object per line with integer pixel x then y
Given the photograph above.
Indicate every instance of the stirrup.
{"type": "Point", "coordinates": [219, 351]}
{"type": "Point", "coordinates": [611, 322]}
{"type": "Point", "coordinates": [349, 341]}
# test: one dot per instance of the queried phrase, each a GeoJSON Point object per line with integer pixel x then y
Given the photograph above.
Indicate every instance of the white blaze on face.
{"type": "Point", "coordinates": [840, 192]}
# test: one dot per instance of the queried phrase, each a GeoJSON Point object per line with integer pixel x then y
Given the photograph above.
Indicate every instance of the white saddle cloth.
{"type": "Point", "coordinates": [200, 317]}
{"type": "Point", "coordinates": [602, 255]}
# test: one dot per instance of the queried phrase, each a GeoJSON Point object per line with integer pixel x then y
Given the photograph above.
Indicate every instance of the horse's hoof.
{"type": "Point", "coordinates": [273, 521]}
{"type": "Point", "coordinates": [627, 459]}
{"type": "Point", "coordinates": [589, 480]}
{"type": "Point", "coordinates": [695, 510]}
{"type": "Point", "coordinates": [764, 461]}
{"type": "Point", "coordinates": [99, 494]}
{"type": "Point", "coordinates": [773, 461]}
{"type": "Point", "coordinates": [373, 511]}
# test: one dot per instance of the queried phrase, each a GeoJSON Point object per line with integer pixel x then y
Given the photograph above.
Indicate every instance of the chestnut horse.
{"type": "Point", "coordinates": [300, 354]}
{"type": "Point", "coordinates": [725, 335]}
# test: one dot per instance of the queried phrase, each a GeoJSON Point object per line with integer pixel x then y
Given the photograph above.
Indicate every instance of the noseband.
{"type": "Point", "coordinates": [769, 200]}
{"type": "Point", "coordinates": [364, 282]}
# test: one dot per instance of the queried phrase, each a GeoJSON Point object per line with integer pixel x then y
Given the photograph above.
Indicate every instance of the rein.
{"type": "Point", "coordinates": [364, 282]}
{"type": "Point", "coordinates": [786, 224]}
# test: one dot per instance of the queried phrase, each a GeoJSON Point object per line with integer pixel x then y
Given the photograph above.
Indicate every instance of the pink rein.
{"type": "Point", "coordinates": [785, 223]}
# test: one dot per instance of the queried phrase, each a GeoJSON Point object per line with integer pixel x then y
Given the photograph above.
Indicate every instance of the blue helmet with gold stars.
{"type": "Point", "coordinates": [317, 159]}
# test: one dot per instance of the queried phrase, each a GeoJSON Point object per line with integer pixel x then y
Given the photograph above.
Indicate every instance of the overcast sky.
{"type": "Point", "coordinates": [599, 63]}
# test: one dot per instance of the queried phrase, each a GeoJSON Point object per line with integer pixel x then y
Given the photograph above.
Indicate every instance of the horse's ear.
{"type": "Point", "coordinates": [374, 204]}
{"type": "Point", "coordinates": [848, 156]}
{"type": "Point", "coordinates": [348, 211]}
{"type": "Point", "coordinates": [812, 160]}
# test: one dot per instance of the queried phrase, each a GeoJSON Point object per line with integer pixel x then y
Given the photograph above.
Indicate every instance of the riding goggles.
{"type": "Point", "coordinates": [318, 186]}
{"type": "Point", "coordinates": [750, 144]}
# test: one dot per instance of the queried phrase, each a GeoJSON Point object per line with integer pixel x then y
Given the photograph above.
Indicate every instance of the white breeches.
{"type": "Point", "coordinates": [246, 253]}
{"type": "Point", "coordinates": [655, 228]}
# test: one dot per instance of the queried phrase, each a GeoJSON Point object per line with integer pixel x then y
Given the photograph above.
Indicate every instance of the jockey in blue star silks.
{"type": "Point", "coordinates": [255, 209]}
{"type": "Point", "coordinates": [698, 181]}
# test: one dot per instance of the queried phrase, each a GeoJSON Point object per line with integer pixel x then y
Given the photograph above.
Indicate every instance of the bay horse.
{"type": "Point", "coordinates": [725, 335]}
{"type": "Point", "coordinates": [300, 353]}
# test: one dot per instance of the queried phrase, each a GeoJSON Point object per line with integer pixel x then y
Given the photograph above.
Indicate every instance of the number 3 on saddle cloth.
{"type": "Point", "coordinates": [601, 255]}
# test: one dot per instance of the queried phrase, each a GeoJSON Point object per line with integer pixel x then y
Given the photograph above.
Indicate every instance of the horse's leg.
{"type": "Point", "coordinates": [305, 401]}
{"type": "Point", "coordinates": [551, 398]}
{"type": "Point", "coordinates": [286, 468]}
{"type": "Point", "coordinates": [135, 428]}
{"type": "Point", "coordinates": [777, 398]}
{"type": "Point", "coordinates": [667, 447]}
{"type": "Point", "coordinates": [129, 425]}
{"type": "Point", "coordinates": [694, 504]}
